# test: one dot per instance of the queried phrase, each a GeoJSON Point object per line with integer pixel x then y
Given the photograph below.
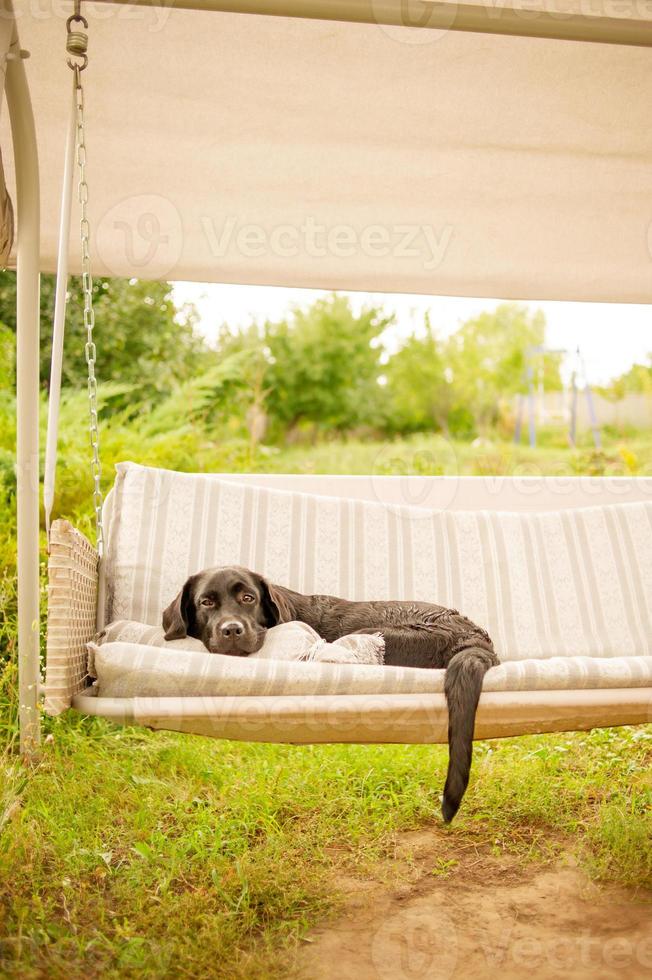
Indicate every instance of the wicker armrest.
{"type": "Point", "coordinates": [72, 614]}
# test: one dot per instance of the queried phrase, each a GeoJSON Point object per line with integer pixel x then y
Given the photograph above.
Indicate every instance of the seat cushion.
{"type": "Point", "coordinates": [554, 584]}
{"type": "Point", "coordinates": [127, 670]}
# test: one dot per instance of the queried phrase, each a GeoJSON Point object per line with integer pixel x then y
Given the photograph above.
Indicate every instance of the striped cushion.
{"type": "Point", "coordinates": [125, 670]}
{"type": "Point", "coordinates": [568, 583]}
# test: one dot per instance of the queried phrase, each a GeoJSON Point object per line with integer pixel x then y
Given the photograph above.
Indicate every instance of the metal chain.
{"type": "Point", "coordinates": [89, 313]}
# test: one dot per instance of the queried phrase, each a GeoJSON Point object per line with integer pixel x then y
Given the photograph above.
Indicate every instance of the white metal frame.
{"type": "Point", "coordinates": [460, 17]}
{"type": "Point", "coordinates": [27, 386]}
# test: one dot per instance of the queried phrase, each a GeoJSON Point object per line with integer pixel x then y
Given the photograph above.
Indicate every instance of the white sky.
{"type": "Point", "coordinates": [611, 337]}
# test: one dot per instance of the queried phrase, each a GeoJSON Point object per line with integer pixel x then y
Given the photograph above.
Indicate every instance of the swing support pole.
{"type": "Point", "coordinates": [27, 385]}
{"type": "Point", "coordinates": [478, 18]}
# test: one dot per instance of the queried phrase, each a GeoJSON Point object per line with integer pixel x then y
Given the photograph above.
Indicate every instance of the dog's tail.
{"type": "Point", "coordinates": [462, 686]}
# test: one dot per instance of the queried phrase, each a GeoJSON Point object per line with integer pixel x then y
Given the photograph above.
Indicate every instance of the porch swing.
{"type": "Point", "coordinates": [564, 588]}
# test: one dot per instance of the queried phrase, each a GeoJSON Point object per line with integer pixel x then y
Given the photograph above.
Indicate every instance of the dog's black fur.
{"type": "Point", "coordinates": [230, 610]}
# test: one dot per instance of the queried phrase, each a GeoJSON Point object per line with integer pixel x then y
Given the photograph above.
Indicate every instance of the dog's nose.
{"type": "Point", "coordinates": [232, 628]}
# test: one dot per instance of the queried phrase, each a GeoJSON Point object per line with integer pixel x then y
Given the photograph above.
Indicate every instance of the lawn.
{"type": "Point", "coordinates": [125, 852]}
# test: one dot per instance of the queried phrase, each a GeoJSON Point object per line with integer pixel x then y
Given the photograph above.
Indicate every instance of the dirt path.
{"type": "Point", "coordinates": [481, 917]}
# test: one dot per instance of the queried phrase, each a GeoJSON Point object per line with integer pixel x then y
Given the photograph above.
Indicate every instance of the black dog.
{"type": "Point", "coordinates": [230, 610]}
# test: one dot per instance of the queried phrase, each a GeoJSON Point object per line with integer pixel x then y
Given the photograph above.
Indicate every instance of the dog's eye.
{"type": "Point", "coordinates": [207, 602]}
{"type": "Point", "coordinates": [247, 597]}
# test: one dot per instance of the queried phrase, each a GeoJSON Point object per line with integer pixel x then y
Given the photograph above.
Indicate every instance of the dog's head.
{"type": "Point", "coordinates": [229, 609]}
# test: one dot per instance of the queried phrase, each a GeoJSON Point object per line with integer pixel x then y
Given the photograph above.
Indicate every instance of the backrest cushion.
{"type": "Point", "coordinates": [567, 583]}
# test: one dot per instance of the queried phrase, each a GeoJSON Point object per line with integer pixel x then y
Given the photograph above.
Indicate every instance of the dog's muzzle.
{"type": "Point", "coordinates": [235, 638]}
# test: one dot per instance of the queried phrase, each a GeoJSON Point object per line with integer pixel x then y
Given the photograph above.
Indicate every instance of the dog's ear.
{"type": "Point", "coordinates": [179, 615]}
{"type": "Point", "coordinates": [275, 603]}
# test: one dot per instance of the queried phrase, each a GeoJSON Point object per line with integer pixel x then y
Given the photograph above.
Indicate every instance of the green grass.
{"type": "Point", "coordinates": [125, 852]}
{"type": "Point", "coordinates": [437, 456]}
{"type": "Point", "coordinates": [132, 853]}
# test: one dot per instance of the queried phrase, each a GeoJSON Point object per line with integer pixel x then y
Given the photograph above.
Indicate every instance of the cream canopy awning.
{"type": "Point", "coordinates": [306, 152]}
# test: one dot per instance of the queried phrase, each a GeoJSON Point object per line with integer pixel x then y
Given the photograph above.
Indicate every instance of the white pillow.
{"type": "Point", "coordinates": [287, 641]}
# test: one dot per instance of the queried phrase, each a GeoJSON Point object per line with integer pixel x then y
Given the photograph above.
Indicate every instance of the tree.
{"type": "Point", "coordinates": [141, 337]}
{"type": "Point", "coordinates": [324, 365]}
{"type": "Point", "coordinates": [637, 380]}
{"type": "Point", "coordinates": [487, 359]}
{"type": "Point", "coordinates": [246, 347]}
{"type": "Point", "coordinates": [418, 392]}
{"type": "Point", "coordinates": [457, 385]}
